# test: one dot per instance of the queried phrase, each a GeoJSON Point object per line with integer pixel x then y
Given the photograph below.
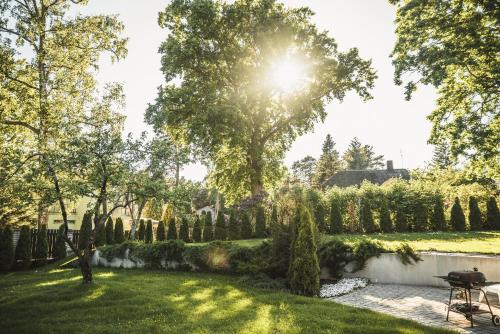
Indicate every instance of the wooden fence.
{"type": "Point", "coordinates": [51, 240]}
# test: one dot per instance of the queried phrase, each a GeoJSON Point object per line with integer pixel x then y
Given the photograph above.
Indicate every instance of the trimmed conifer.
{"type": "Point", "coordinates": [457, 219]}
{"type": "Point", "coordinates": [260, 222]}
{"type": "Point", "coordinates": [148, 236]}
{"type": "Point", "coordinates": [23, 248]}
{"type": "Point", "coordinates": [401, 221]}
{"type": "Point", "coordinates": [246, 227]}
{"type": "Point", "coordinates": [59, 251]}
{"type": "Point", "coordinates": [208, 232]}
{"type": "Point", "coordinates": [366, 216]}
{"type": "Point", "coordinates": [100, 235]}
{"type": "Point", "coordinates": [420, 221]}
{"type": "Point", "coordinates": [475, 221]}
{"type": "Point", "coordinates": [41, 246]}
{"type": "Point", "coordinates": [184, 230]}
{"type": "Point", "coordinates": [385, 218]}
{"type": "Point", "coordinates": [85, 231]}
{"type": "Point", "coordinates": [6, 248]}
{"type": "Point", "coordinates": [492, 215]}
{"type": "Point", "coordinates": [161, 235]}
{"type": "Point", "coordinates": [220, 232]}
{"type": "Point", "coordinates": [197, 230]}
{"type": "Point", "coordinates": [172, 229]}
{"type": "Point", "coordinates": [336, 220]}
{"type": "Point", "coordinates": [234, 227]}
{"type": "Point", "coordinates": [119, 233]}
{"type": "Point", "coordinates": [109, 231]}
{"type": "Point", "coordinates": [438, 221]}
{"type": "Point", "coordinates": [304, 271]}
{"type": "Point", "coordinates": [141, 232]}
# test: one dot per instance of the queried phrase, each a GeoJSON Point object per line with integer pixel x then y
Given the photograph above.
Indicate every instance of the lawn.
{"type": "Point", "coordinates": [139, 301]}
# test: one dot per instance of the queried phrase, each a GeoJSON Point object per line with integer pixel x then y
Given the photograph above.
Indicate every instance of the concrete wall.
{"type": "Point", "coordinates": [388, 268]}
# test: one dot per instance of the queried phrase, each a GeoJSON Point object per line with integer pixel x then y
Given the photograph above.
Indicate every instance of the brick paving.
{"type": "Point", "coordinates": [422, 304]}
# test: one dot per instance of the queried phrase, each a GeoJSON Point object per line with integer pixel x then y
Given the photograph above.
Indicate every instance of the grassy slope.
{"type": "Point", "coordinates": [138, 301]}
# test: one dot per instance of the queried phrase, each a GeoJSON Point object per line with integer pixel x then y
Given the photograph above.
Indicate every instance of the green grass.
{"type": "Point", "coordinates": [139, 301]}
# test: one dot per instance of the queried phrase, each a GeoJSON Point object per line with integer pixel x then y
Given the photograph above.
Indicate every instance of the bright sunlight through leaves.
{"type": "Point", "coordinates": [289, 74]}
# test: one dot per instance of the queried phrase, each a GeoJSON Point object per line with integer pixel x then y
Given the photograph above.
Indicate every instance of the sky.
{"type": "Point", "coordinates": [396, 128]}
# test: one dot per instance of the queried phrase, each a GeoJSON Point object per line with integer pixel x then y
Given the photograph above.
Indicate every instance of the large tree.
{"type": "Point", "coordinates": [453, 45]}
{"type": "Point", "coordinates": [244, 79]}
{"type": "Point", "coordinates": [304, 169]}
{"type": "Point", "coordinates": [329, 162]}
{"type": "Point", "coordinates": [359, 156]}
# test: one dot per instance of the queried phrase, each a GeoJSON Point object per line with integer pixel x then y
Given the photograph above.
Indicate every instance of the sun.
{"type": "Point", "coordinates": [289, 74]}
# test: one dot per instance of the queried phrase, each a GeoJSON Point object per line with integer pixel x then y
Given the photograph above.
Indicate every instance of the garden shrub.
{"type": "Point", "coordinates": [246, 227]}
{"type": "Point", "coordinates": [6, 248]}
{"type": "Point", "coordinates": [109, 231]}
{"type": "Point", "coordinates": [100, 235]}
{"type": "Point", "coordinates": [438, 220]}
{"type": "Point", "coordinates": [220, 227]}
{"type": "Point", "coordinates": [85, 231]}
{"type": "Point", "coordinates": [197, 230]}
{"type": "Point", "coordinates": [260, 222]}
{"type": "Point", "coordinates": [141, 232]}
{"type": "Point", "coordinates": [119, 234]}
{"type": "Point", "coordinates": [148, 236]}
{"type": "Point", "coordinates": [401, 221]}
{"type": "Point", "coordinates": [420, 221]}
{"type": "Point", "coordinates": [336, 221]}
{"type": "Point", "coordinates": [364, 250]}
{"type": "Point", "coordinates": [172, 229]}
{"type": "Point", "coordinates": [335, 255]}
{"type": "Point", "coordinates": [318, 209]}
{"type": "Point", "coordinates": [23, 248]}
{"type": "Point", "coordinates": [304, 268]}
{"type": "Point", "coordinates": [41, 246]}
{"type": "Point", "coordinates": [457, 220]}
{"type": "Point", "coordinates": [184, 230]}
{"type": "Point", "coordinates": [161, 235]}
{"type": "Point", "coordinates": [59, 251]}
{"type": "Point", "coordinates": [385, 218]}
{"type": "Point", "coordinates": [407, 254]}
{"type": "Point", "coordinates": [234, 232]}
{"type": "Point", "coordinates": [492, 215]}
{"type": "Point", "coordinates": [208, 232]}
{"type": "Point", "coordinates": [366, 215]}
{"type": "Point", "coordinates": [475, 220]}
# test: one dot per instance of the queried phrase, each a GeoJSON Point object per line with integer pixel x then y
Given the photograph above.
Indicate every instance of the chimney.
{"type": "Point", "coordinates": [390, 165]}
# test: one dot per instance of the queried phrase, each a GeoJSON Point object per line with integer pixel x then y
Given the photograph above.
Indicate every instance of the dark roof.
{"type": "Point", "coordinates": [348, 178]}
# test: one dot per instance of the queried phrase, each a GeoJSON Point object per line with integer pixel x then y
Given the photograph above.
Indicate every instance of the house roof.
{"type": "Point", "coordinates": [348, 178]}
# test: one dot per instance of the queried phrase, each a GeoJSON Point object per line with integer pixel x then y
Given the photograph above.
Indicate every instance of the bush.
{"type": "Point", "coordinates": [335, 255]}
{"type": "Point", "coordinates": [109, 231]}
{"type": "Point", "coordinates": [438, 221]}
{"type": "Point", "coordinates": [364, 250]}
{"type": "Point", "coordinates": [336, 220]}
{"type": "Point", "coordinates": [142, 230]}
{"type": "Point", "coordinates": [85, 231]}
{"type": "Point", "coordinates": [457, 220]}
{"type": "Point", "coordinates": [492, 215]}
{"type": "Point", "coordinates": [161, 235]}
{"type": "Point", "coordinates": [119, 234]}
{"type": "Point", "coordinates": [197, 230]}
{"type": "Point", "coordinates": [184, 230]}
{"type": "Point", "coordinates": [6, 248]}
{"type": "Point", "coordinates": [304, 268]}
{"type": "Point", "coordinates": [407, 254]}
{"type": "Point", "coordinates": [385, 218]}
{"type": "Point", "coordinates": [148, 236]}
{"type": "Point", "coordinates": [420, 217]}
{"type": "Point", "coordinates": [367, 217]}
{"type": "Point", "coordinates": [220, 227]}
{"type": "Point", "coordinates": [260, 222]}
{"type": "Point", "coordinates": [23, 248]}
{"type": "Point", "coordinates": [246, 227]}
{"type": "Point", "coordinates": [234, 232]}
{"type": "Point", "coordinates": [475, 220]}
{"type": "Point", "coordinates": [100, 235]}
{"type": "Point", "coordinates": [41, 246]}
{"type": "Point", "coordinates": [317, 206]}
{"type": "Point", "coordinates": [208, 232]}
{"type": "Point", "coordinates": [59, 251]}
{"type": "Point", "coordinates": [401, 221]}
{"type": "Point", "coordinates": [172, 229]}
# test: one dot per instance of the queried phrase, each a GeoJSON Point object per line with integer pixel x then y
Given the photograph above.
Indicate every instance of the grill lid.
{"type": "Point", "coordinates": [467, 276]}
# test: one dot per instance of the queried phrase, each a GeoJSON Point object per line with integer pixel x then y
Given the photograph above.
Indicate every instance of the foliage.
{"type": "Point", "coordinates": [208, 231]}
{"type": "Point", "coordinates": [59, 251]}
{"type": "Point", "coordinates": [246, 226]}
{"type": "Point", "coordinates": [407, 254]}
{"type": "Point", "coordinates": [41, 246]}
{"type": "Point", "coordinates": [184, 230]}
{"type": "Point", "coordinates": [172, 229]}
{"type": "Point", "coordinates": [85, 231]}
{"type": "Point", "coordinates": [6, 248]}
{"type": "Point", "coordinates": [110, 235]}
{"type": "Point", "coordinates": [23, 248]}
{"type": "Point", "coordinates": [364, 250]}
{"type": "Point", "coordinates": [475, 220]}
{"type": "Point", "coordinates": [438, 220]}
{"type": "Point", "coordinates": [328, 163]}
{"type": "Point", "coordinates": [220, 227]}
{"type": "Point", "coordinates": [457, 220]}
{"type": "Point", "coordinates": [401, 220]}
{"type": "Point", "coordinates": [335, 255]}
{"type": "Point", "coordinates": [262, 281]}
{"type": "Point", "coordinates": [148, 236]}
{"type": "Point", "coordinates": [197, 230]}
{"type": "Point", "coordinates": [234, 228]}
{"type": "Point", "coordinates": [366, 217]}
{"type": "Point", "coordinates": [385, 218]}
{"type": "Point", "coordinates": [100, 235]}
{"type": "Point", "coordinates": [442, 157]}
{"type": "Point", "coordinates": [303, 169]}
{"type": "Point", "coordinates": [492, 215]}
{"type": "Point", "coordinates": [119, 234]}
{"type": "Point", "coordinates": [161, 234]}
{"type": "Point", "coordinates": [318, 208]}
{"type": "Point", "coordinates": [359, 156]}
{"type": "Point", "coordinates": [336, 220]}
{"type": "Point", "coordinates": [142, 230]}
{"type": "Point", "coordinates": [420, 221]}
{"type": "Point", "coordinates": [260, 222]}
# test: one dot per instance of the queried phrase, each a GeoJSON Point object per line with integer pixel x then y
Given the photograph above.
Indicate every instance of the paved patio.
{"type": "Point", "coordinates": [422, 304]}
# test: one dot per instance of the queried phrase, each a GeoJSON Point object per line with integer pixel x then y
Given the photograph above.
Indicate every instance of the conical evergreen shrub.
{"type": "Point", "coordinates": [23, 248]}
{"type": "Point", "coordinates": [492, 215]}
{"type": "Point", "coordinates": [457, 219]}
{"type": "Point", "coordinates": [438, 221]}
{"type": "Point", "coordinates": [161, 235]}
{"type": "Point", "coordinates": [420, 221]}
{"type": "Point", "coordinates": [246, 227]}
{"type": "Point", "coordinates": [6, 249]}
{"type": "Point", "coordinates": [208, 232]}
{"type": "Point", "coordinates": [304, 269]}
{"type": "Point", "coordinates": [85, 231]}
{"type": "Point", "coordinates": [366, 216]}
{"type": "Point", "coordinates": [220, 232]}
{"type": "Point", "coordinates": [119, 233]}
{"type": "Point", "coordinates": [100, 235]}
{"type": "Point", "coordinates": [41, 246]}
{"type": "Point", "coordinates": [234, 227]}
{"type": "Point", "coordinates": [197, 230]}
{"type": "Point", "coordinates": [260, 222]}
{"type": "Point", "coordinates": [184, 230]}
{"type": "Point", "coordinates": [475, 220]}
{"type": "Point", "coordinates": [148, 236]}
{"type": "Point", "coordinates": [141, 232]}
{"type": "Point", "coordinates": [336, 220]}
{"type": "Point", "coordinates": [172, 229]}
{"type": "Point", "coordinates": [385, 218]}
{"type": "Point", "coordinates": [109, 231]}
{"type": "Point", "coordinates": [401, 221]}
{"type": "Point", "coordinates": [59, 251]}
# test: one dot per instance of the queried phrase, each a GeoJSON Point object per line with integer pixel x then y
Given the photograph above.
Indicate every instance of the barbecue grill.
{"type": "Point", "coordinates": [466, 281]}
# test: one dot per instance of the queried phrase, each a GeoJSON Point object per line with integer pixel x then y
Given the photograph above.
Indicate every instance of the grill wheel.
{"type": "Point", "coordinates": [496, 320]}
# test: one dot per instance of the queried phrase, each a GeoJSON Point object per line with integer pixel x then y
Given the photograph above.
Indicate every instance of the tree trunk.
{"type": "Point", "coordinates": [86, 265]}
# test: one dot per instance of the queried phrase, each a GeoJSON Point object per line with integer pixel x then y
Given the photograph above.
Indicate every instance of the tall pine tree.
{"type": "Point", "coordinates": [260, 222]}
{"type": "Point", "coordinates": [475, 221]}
{"type": "Point", "coordinates": [110, 236]}
{"type": "Point", "coordinates": [328, 164]}
{"type": "Point", "coordinates": [41, 246]}
{"type": "Point", "coordinates": [197, 230]}
{"type": "Point", "coordinates": [119, 233]}
{"type": "Point", "coordinates": [6, 248]}
{"type": "Point", "coordinates": [160, 231]}
{"type": "Point", "coordinates": [401, 220]}
{"type": "Point", "coordinates": [420, 221]}
{"type": "Point", "coordinates": [438, 220]}
{"type": "Point", "coordinates": [492, 215]}
{"type": "Point", "coordinates": [366, 216]}
{"type": "Point", "coordinates": [336, 220]}
{"type": "Point", "coordinates": [385, 218]}
{"type": "Point", "coordinates": [172, 229]}
{"type": "Point", "coordinates": [148, 236]}
{"type": "Point", "coordinates": [457, 220]}
{"type": "Point", "coordinates": [85, 231]}
{"type": "Point", "coordinates": [184, 230]}
{"type": "Point", "coordinates": [220, 227]}
{"type": "Point", "coordinates": [234, 231]}
{"type": "Point", "coordinates": [246, 227]}
{"type": "Point", "coordinates": [141, 232]}
{"type": "Point", "coordinates": [23, 248]}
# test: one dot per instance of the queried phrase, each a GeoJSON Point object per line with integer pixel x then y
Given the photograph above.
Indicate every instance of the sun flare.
{"type": "Point", "coordinates": [289, 75]}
